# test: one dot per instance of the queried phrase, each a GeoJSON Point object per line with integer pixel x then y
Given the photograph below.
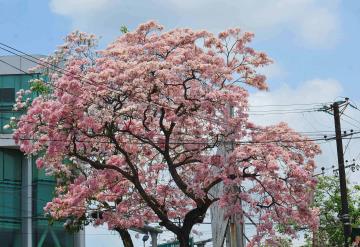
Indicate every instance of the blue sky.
{"type": "Point", "coordinates": [314, 43]}
{"type": "Point", "coordinates": [324, 47]}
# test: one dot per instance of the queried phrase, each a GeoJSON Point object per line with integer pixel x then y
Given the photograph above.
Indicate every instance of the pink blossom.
{"type": "Point", "coordinates": [134, 128]}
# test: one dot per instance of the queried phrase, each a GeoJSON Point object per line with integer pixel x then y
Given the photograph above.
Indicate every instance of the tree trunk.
{"type": "Point", "coordinates": [184, 240]}
{"type": "Point", "coordinates": [315, 241]}
{"type": "Point", "coordinates": [125, 237]}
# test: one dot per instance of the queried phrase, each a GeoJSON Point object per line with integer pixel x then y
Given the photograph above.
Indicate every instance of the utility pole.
{"type": "Point", "coordinates": [235, 229]}
{"type": "Point", "coordinates": [231, 229]}
{"type": "Point", "coordinates": [345, 218]}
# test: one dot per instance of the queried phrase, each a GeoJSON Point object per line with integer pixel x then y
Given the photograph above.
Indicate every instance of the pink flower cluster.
{"type": "Point", "coordinates": [134, 130]}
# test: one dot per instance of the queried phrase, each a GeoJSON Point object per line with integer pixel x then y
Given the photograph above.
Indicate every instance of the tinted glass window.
{"type": "Point", "coordinates": [7, 95]}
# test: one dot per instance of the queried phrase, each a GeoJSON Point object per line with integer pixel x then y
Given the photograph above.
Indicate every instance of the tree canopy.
{"type": "Point", "coordinates": [327, 199]}
{"type": "Point", "coordinates": [134, 129]}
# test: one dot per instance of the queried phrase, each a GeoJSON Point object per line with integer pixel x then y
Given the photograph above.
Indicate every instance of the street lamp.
{"type": "Point", "coordinates": [145, 238]}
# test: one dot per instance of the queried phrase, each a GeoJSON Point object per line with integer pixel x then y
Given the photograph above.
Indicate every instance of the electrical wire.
{"type": "Point", "coordinates": [358, 122]}
{"type": "Point", "coordinates": [347, 145]}
{"type": "Point", "coordinates": [318, 134]}
{"type": "Point", "coordinates": [189, 142]}
{"type": "Point", "coordinates": [14, 67]}
{"type": "Point", "coordinates": [296, 104]}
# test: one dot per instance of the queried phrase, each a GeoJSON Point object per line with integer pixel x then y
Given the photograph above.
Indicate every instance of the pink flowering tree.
{"type": "Point", "coordinates": [133, 131]}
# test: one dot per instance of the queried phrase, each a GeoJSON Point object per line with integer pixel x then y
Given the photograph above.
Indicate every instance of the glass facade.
{"type": "Point", "coordinates": [44, 235]}
{"type": "Point", "coordinates": [10, 197]}
{"type": "Point", "coordinates": [24, 190]}
{"type": "Point", "coordinates": [10, 84]}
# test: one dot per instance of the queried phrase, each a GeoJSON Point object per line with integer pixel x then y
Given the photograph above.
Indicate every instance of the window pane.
{"type": "Point", "coordinates": [12, 165]}
{"type": "Point", "coordinates": [10, 201]}
{"type": "Point", "coordinates": [10, 236]}
{"type": "Point", "coordinates": [1, 166]}
{"type": "Point", "coordinates": [40, 175]}
{"type": "Point", "coordinates": [51, 236]}
{"type": "Point", "coordinates": [7, 95]}
{"type": "Point", "coordinates": [5, 116]}
{"type": "Point", "coordinates": [43, 192]}
{"type": "Point", "coordinates": [10, 198]}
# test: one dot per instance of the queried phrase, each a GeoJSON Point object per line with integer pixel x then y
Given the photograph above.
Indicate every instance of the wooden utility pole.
{"type": "Point", "coordinates": [345, 218]}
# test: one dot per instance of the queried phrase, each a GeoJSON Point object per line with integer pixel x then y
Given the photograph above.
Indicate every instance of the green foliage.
{"type": "Point", "coordinates": [71, 224]}
{"type": "Point", "coordinates": [124, 29]}
{"type": "Point", "coordinates": [327, 199]}
{"type": "Point", "coordinates": [278, 242]}
{"type": "Point", "coordinates": [39, 86]}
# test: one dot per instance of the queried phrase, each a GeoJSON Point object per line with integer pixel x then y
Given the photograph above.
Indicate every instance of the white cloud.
{"type": "Point", "coordinates": [315, 22]}
{"type": "Point", "coordinates": [273, 71]}
{"type": "Point", "coordinates": [307, 96]}
{"type": "Point", "coordinates": [101, 17]}
{"type": "Point", "coordinates": [318, 27]}
{"type": "Point", "coordinates": [311, 22]}
{"type": "Point", "coordinates": [70, 7]}
{"type": "Point", "coordinates": [294, 113]}
{"type": "Point", "coordinates": [307, 93]}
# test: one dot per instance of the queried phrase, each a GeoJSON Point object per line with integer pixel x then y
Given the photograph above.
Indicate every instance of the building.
{"type": "Point", "coordinates": [24, 190]}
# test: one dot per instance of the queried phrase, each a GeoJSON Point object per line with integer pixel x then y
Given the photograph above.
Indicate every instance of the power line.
{"type": "Point", "coordinates": [323, 136]}
{"type": "Point", "coordinates": [320, 133]}
{"type": "Point", "coordinates": [280, 113]}
{"type": "Point", "coordinates": [14, 67]}
{"type": "Point", "coordinates": [300, 110]}
{"type": "Point", "coordinates": [351, 118]}
{"type": "Point", "coordinates": [317, 132]}
{"type": "Point", "coordinates": [299, 104]}
{"type": "Point", "coordinates": [347, 145]}
{"type": "Point", "coordinates": [191, 142]}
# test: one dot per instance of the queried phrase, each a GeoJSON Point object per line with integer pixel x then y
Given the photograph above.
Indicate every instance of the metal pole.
{"type": "Point", "coordinates": [153, 239]}
{"type": "Point", "coordinates": [343, 190]}
{"type": "Point", "coordinates": [27, 199]}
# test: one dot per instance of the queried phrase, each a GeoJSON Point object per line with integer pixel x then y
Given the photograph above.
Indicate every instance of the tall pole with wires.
{"type": "Point", "coordinates": [235, 228]}
{"type": "Point", "coordinates": [343, 190]}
